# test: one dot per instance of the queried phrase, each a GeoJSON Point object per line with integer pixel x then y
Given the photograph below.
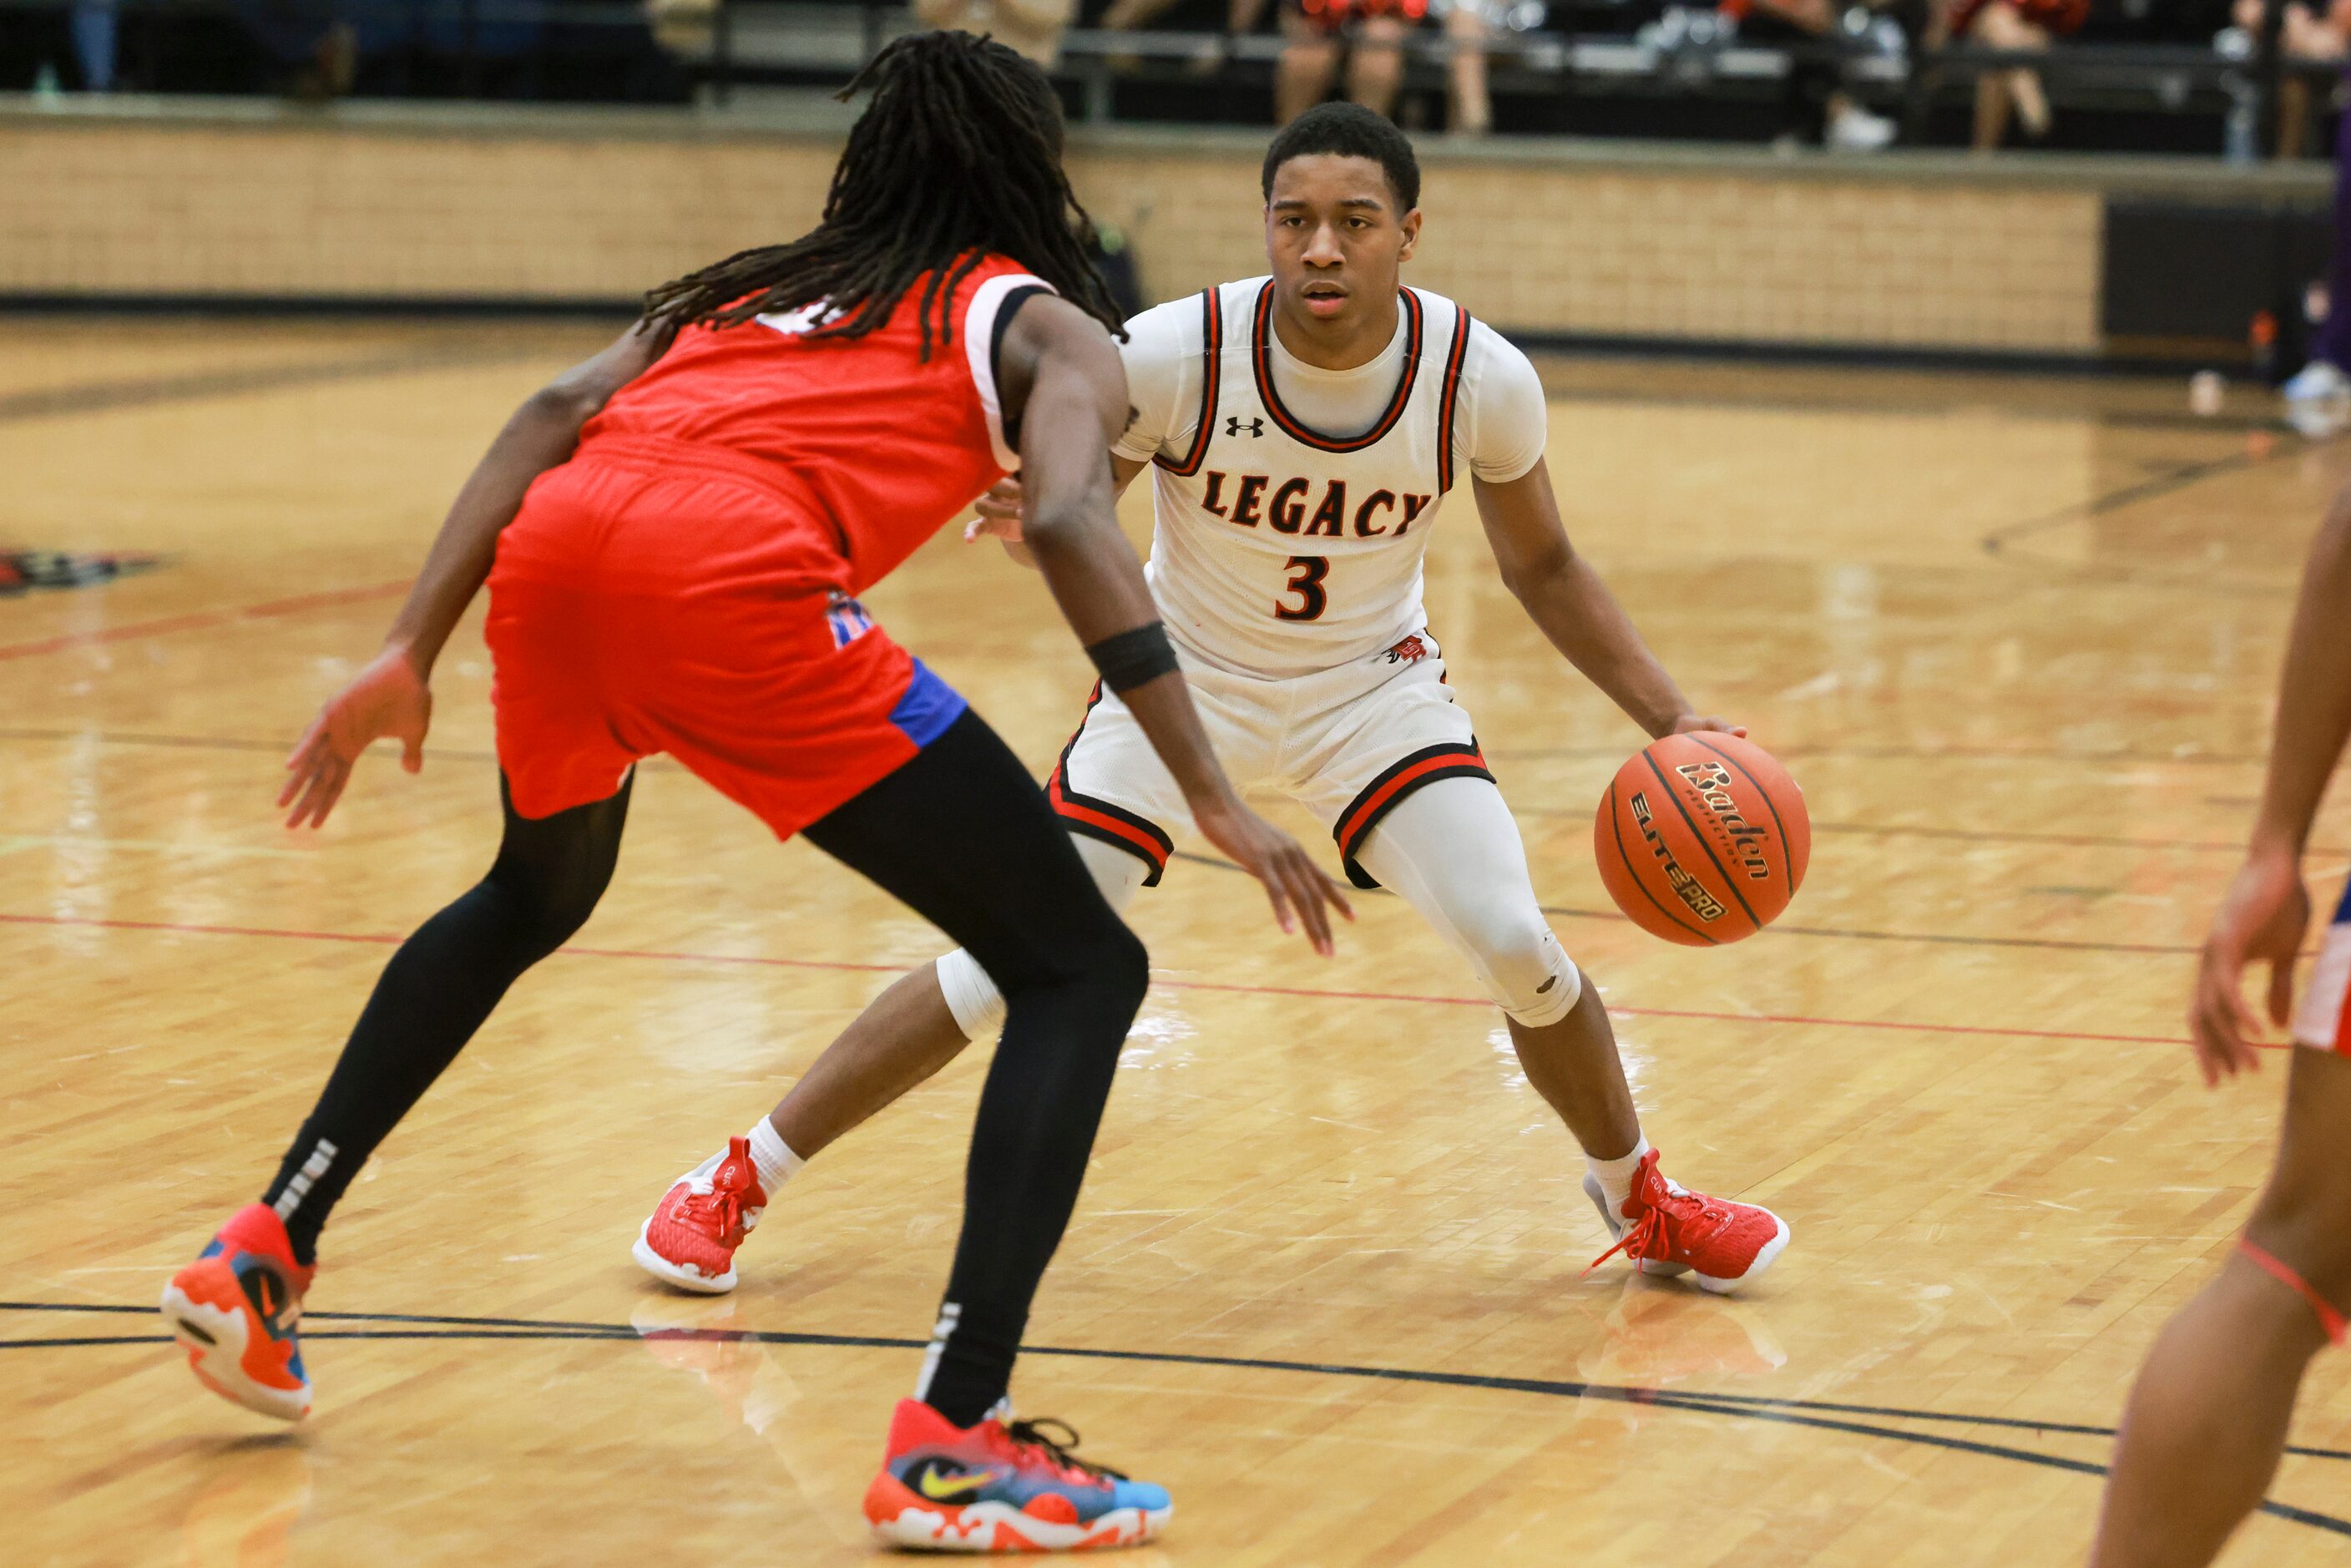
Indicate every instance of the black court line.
{"type": "Point", "coordinates": [1823, 1416]}
{"type": "Point", "coordinates": [194, 386]}
{"type": "Point", "coordinates": [1996, 543]}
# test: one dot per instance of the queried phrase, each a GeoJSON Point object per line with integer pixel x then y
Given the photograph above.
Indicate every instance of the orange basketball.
{"type": "Point", "coordinates": [1702, 839]}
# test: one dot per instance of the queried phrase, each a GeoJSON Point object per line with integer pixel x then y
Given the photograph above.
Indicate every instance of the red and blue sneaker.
{"type": "Point", "coordinates": [237, 1309]}
{"type": "Point", "coordinates": [1002, 1488]}
{"type": "Point", "coordinates": [1666, 1228]}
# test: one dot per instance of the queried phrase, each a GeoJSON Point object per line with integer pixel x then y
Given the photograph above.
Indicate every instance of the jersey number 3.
{"type": "Point", "coordinates": [1306, 575]}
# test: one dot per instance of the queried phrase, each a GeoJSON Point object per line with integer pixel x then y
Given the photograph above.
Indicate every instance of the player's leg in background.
{"type": "Point", "coordinates": [438, 989]}
{"type": "Point", "coordinates": [2207, 1419]}
{"type": "Point", "coordinates": [916, 1027]}
{"type": "Point", "coordinates": [964, 837]}
{"type": "Point", "coordinates": [1452, 850]}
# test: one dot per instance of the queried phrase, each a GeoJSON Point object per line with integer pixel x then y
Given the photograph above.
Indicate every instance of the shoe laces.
{"type": "Point", "coordinates": [720, 1209]}
{"type": "Point", "coordinates": [1668, 1218]}
{"type": "Point", "coordinates": [1031, 1434]}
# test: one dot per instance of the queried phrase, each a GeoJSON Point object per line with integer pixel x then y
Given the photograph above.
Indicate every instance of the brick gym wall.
{"type": "Point", "coordinates": [486, 208]}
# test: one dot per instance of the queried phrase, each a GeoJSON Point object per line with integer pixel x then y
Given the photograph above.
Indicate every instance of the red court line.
{"type": "Point", "coordinates": [844, 966]}
{"type": "Point", "coordinates": [203, 620]}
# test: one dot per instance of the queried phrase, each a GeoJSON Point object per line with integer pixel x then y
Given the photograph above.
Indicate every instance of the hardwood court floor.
{"type": "Point", "coordinates": [2017, 639]}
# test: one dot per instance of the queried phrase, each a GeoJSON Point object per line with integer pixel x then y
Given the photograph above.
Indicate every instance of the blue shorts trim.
{"type": "Point", "coordinates": [929, 705]}
{"type": "Point", "coordinates": [2343, 910]}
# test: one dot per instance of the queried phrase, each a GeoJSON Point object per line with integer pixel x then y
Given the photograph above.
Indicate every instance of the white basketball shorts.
{"type": "Point", "coordinates": [2324, 1019]}
{"type": "Point", "coordinates": [1346, 743]}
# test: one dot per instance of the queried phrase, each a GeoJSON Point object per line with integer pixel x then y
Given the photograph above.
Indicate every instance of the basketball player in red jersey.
{"type": "Point", "coordinates": [2206, 1422]}
{"type": "Point", "coordinates": [672, 536]}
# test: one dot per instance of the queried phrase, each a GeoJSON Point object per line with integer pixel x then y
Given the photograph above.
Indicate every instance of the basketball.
{"type": "Point", "coordinates": [1702, 839]}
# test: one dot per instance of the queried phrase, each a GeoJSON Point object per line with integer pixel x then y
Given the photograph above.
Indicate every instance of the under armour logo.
{"type": "Point", "coordinates": [1233, 426]}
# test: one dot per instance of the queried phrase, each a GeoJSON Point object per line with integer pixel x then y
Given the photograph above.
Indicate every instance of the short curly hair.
{"type": "Point", "coordinates": [1348, 130]}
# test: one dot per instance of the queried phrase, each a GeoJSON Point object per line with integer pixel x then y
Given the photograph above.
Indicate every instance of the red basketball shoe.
{"type": "Point", "coordinates": [237, 1309]}
{"type": "Point", "coordinates": [691, 1239]}
{"type": "Point", "coordinates": [999, 1488]}
{"type": "Point", "coordinates": [1666, 1228]}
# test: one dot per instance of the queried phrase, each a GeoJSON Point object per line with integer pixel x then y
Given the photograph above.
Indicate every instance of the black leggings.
{"type": "Point", "coordinates": [963, 836]}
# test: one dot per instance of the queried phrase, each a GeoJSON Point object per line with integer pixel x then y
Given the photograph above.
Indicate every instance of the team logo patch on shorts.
{"type": "Point", "coordinates": [847, 618]}
{"type": "Point", "coordinates": [1411, 651]}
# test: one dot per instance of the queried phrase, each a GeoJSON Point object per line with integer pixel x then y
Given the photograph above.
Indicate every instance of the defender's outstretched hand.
{"type": "Point", "coordinates": [1291, 878]}
{"type": "Point", "coordinates": [2261, 920]}
{"type": "Point", "coordinates": [388, 699]}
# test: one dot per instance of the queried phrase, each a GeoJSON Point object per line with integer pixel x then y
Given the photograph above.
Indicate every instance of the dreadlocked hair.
{"type": "Point", "coordinates": [958, 156]}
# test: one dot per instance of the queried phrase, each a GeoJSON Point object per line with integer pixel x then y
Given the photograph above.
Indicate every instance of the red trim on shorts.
{"type": "Point", "coordinates": [1212, 367]}
{"type": "Point", "coordinates": [1389, 789]}
{"type": "Point", "coordinates": [1100, 819]}
{"type": "Point", "coordinates": [2329, 1318]}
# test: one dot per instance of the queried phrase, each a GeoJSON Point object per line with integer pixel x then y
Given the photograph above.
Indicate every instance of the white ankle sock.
{"type": "Point", "coordinates": [774, 1157]}
{"type": "Point", "coordinates": [1615, 1176]}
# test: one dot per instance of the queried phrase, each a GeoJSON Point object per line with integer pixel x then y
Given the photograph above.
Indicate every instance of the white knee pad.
{"type": "Point", "coordinates": [972, 997]}
{"type": "Point", "coordinates": [1530, 977]}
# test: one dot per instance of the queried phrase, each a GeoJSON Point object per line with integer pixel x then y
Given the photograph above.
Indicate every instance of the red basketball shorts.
{"type": "Point", "coordinates": [685, 601]}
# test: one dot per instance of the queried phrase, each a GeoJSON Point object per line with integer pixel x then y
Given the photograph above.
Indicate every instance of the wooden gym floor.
{"type": "Point", "coordinates": [2016, 638]}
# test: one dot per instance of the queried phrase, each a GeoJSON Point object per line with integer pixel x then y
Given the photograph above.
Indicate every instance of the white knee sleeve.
{"type": "Point", "coordinates": [1452, 850]}
{"type": "Point", "coordinates": [972, 997]}
{"type": "Point", "coordinates": [1530, 976]}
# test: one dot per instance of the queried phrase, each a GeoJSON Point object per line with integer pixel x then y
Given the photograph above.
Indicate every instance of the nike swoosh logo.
{"type": "Point", "coordinates": [940, 1489]}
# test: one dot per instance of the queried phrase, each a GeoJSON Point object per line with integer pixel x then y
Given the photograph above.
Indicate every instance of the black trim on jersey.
{"type": "Point", "coordinates": [1058, 793]}
{"type": "Point", "coordinates": [1260, 362]}
{"type": "Point", "coordinates": [1212, 365]}
{"type": "Point", "coordinates": [1469, 762]}
{"type": "Point", "coordinates": [1454, 357]}
{"type": "Point", "coordinates": [1009, 308]}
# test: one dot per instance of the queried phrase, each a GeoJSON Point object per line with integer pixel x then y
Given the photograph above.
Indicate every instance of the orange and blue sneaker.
{"type": "Point", "coordinates": [690, 1240]}
{"type": "Point", "coordinates": [1666, 1228]}
{"type": "Point", "coordinates": [237, 1309]}
{"type": "Point", "coordinates": [999, 1487]}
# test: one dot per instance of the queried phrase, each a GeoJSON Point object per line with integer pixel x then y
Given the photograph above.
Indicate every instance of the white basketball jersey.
{"type": "Point", "coordinates": [1278, 549]}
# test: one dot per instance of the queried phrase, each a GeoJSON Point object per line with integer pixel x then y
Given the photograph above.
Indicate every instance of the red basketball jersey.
{"type": "Point", "coordinates": [887, 445]}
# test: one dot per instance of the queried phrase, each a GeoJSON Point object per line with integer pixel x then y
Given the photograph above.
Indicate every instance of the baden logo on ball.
{"type": "Point", "coordinates": [1702, 839]}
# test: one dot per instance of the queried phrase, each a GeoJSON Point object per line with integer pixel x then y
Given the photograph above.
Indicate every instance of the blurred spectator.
{"type": "Point", "coordinates": [1031, 26]}
{"type": "Point", "coordinates": [2012, 25]}
{"type": "Point", "coordinates": [1469, 23]}
{"type": "Point", "coordinates": [1313, 34]}
{"type": "Point", "coordinates": [311, 48]}
{"type": "Point", "coordinates": [93, 39]}
{"type": "Point", "coordinates": [2303, 34]}
{"type": "Point", "coordinates": [1815, 107]}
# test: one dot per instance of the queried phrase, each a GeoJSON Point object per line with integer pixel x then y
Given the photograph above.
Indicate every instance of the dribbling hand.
{"type": "Point", "coordinates": [386, 700]}
{"type": "Point", "coordinates": [2261, 920]}
{"type": "Point", "coordinates": [1690, 723]}
{"type": "Point", "coordinates": [1300, 890]}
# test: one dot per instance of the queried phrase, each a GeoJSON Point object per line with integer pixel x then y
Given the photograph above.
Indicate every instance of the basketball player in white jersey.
{"type": "Point", "coordinates": [1304, 431]}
